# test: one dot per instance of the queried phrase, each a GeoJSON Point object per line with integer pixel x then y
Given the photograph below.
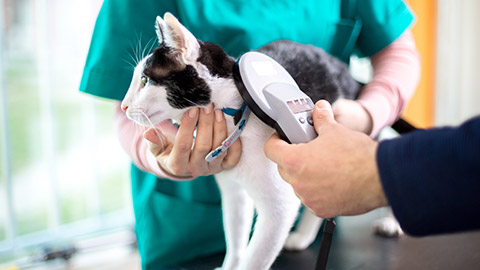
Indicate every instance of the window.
{"type": "Point", "coordinates": [62, 171]}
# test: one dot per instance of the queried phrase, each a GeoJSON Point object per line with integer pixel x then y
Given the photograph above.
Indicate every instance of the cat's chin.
{"type": "Point", "coordinates": [156, 118]}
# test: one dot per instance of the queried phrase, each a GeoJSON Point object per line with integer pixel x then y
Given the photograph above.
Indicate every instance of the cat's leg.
{"type": "Point", "coordinates": [274, 221]}
{"type": "Point", "coordinates": [237, 209]}
{"type": "Point", "coordinates": [387, 226]}
{"type": "Point", "coordinates": [305, 232]}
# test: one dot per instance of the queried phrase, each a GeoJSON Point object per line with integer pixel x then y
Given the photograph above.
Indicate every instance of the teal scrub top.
{"type": "Point", "coordinates": [179, 221]}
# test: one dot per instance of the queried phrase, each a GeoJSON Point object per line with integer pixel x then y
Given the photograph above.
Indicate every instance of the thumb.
{"type": "Point", "coordinates": [156, 140]}
{"type": "Point", "coordinates": [154, 136]}
{"type": "Point", "coordinates": [277, 149]}
{"type": "Point", "coordinates": [322, 115]}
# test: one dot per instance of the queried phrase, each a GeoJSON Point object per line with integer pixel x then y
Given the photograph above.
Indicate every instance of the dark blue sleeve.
{"type": "Point", "coordinates": [432, 178]}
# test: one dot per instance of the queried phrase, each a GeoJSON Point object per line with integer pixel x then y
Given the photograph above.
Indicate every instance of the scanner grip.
{"type": "Point", "coordinates": [292, 112]}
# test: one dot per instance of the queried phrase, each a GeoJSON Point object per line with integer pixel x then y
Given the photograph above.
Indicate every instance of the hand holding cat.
{"type": "Point", "coordinates": [336, 173]}
{"type": "Point", "coordinates": [177, 157]}
{"type": "Point", "coordinates": [352, 115]}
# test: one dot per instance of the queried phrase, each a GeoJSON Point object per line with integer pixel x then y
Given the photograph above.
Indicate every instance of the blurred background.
{"type": "Point", "coordinates": [64, 180]}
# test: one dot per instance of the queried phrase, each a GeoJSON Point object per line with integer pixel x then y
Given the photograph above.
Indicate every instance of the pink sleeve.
{"type": "Point", "coordinates": [131, 138]}
{"type": "Point", "coordinates": [396, 74]}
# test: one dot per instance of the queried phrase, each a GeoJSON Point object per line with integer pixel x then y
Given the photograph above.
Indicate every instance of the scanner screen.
{"type": "Point", "coordinates": [300, 105]}
{"type": "Point", "coordinates": [264, 68]}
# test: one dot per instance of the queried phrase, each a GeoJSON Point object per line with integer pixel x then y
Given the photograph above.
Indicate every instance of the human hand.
{"type": "Point", "coordinates": [334, 174]}
{"type": "Point", "coordinates": [352, 115]}
{"type": "Point", "coordinates": [175, 155]}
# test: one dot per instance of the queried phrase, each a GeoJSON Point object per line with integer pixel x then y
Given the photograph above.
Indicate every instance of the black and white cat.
{"type": "Point", "coordinates": [183, 72]}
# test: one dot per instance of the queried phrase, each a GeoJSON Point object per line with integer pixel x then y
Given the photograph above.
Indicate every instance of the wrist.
{"type": "Point", "coordinates": [367, 120]}
{"type": "Point", "coordinates": [155, 167]}
{"type": "Point", "coordinates": [378, 108]}
{"type": "Point", "coordinates": [379, 198]}
{"type": "Point", "coordinates": [353, 115]}
{"type": "Point", "coordinates": [173, 176]}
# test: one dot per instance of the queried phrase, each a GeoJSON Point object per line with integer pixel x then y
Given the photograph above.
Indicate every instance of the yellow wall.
{"type": "Point", "coordinates": [420, 110]}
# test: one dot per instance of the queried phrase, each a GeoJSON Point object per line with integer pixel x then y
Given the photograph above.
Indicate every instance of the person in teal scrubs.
{"type": "Point", "coordinates": [179, 221]}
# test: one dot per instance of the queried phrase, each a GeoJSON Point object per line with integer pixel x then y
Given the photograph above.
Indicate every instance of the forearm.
{"type": "Point", "coordinates": [396, 75]}
{"type": "Point", "coordinates": [431, 179]}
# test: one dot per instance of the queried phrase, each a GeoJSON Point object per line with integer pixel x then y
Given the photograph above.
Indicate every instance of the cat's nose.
{"type": "Point", "coordinates": [124, 107]}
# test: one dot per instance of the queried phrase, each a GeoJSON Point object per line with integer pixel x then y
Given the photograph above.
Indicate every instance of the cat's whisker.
{"type": "Point", "coordinates": [138, 51]}
{"type": "Point", "coordinates": [131, 53]}
{"type": "Point", "coordinates": [134, 48]}
{"type": "Point", "coordinates": [136, 112]}
{"type": "Point", "coordinates": [134, 54]}
{"type": "Point", "coordinates": [140, 128]}
{"type": "Point", "coordinates": [193, 103]}
{"type": "Point", "coordinates": [130, 65]}
{"type": "Point", "coordinates": [148, 46]}
{"type": "Point", "coordinates": [153, 44]}
{"type": "Point", "coordinates": [161, 138]}
{"type": "Point", "coordinates": [133, 61]}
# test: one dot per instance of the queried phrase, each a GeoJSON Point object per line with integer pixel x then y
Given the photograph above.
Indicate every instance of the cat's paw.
{"type": "Point", "coordinates": [230, 264]}
{"type": "Point", "coordinates": [297, 241]}
{"type": "Point", "coordinates": [387, 227]}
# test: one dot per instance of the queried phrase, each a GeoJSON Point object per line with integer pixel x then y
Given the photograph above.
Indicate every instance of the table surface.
{"type": "Point", "coordinates": [354, 246]}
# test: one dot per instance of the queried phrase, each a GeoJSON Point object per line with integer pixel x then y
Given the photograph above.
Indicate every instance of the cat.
{"type": "Point", "coordinates": [183, 72]}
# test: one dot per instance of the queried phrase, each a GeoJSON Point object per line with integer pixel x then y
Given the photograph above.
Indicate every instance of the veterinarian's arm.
{"type": "Point", "coordinates": [430, 177]}
{"type": "Point", "coordinates": [176, 159]}
{"type": "Point", "coordinates": [396, 75]}
{"type": "Point", "coordinates": [335, 174]}
{"type": "Point", "coordinates": [132, 141]}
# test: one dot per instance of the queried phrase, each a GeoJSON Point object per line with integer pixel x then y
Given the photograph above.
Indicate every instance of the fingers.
{"type": "Point", "coordinates": [338, 107]}
{"type": "Point", "coordinates": [229, 158]}
{"type": "Point", "coordinates": [203, 141]}
{"type": "Point", "coordinates": [351, 114]}
{"type": "Point", "coordinates": [219, 135]}
{"type": "Point", "coordinates": [283, 173]}
{"type": "Point", "coordinates": [154, 136]}
{"type": "Point", "coordinates": [156, 140]}
{"type": "Point", "coordinates": [219, 129]}
{"type": "Point", "coordinates": [211, 132]}
{"type": "Point", "coordinates": [279, 151]}
{"type": "Point", "coordinates": [322, 115]}
{"type": "Point", "coordinates": [233, 155]}
{"type": "Point", "coordinates": [180, 154]}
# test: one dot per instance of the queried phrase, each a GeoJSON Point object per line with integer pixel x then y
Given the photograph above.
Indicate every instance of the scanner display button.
{"type": "Point", "coordinates": [310, 120]}
{"type": "Point", "coordinates": [301, 120]}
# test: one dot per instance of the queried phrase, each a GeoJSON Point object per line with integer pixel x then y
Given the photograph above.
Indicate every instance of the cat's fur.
{"type": "Point", "coordinates": [184, 72]}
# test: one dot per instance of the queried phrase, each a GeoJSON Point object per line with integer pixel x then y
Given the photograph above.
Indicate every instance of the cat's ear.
{"type": "Point", "coordinates": [160, 29]}
{"type": "Point", "coordinates": [184, 41]}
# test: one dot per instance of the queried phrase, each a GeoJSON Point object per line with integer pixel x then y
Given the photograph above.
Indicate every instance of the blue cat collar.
{"type": "Point", "coordinates": [241, 116]}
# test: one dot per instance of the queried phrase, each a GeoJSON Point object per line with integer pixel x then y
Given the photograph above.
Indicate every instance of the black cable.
{"type": "Point", "coordinates": [402, 127]}
{"type": "Point", "coordinates": [328, 230]}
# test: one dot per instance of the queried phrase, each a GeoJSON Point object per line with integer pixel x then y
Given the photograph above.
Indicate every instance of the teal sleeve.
{"type": "Point", "coordinates": [382, 22]}
{"type": "Point", "coordinates": [122, 30]}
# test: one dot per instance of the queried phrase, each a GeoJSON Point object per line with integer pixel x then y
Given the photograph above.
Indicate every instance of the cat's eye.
{"type": "Point", "coordinates": [144, 80]}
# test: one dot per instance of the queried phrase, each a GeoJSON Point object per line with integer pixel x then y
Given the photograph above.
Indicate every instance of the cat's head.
{"type": "Point", "coordinates": [179, 74]}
